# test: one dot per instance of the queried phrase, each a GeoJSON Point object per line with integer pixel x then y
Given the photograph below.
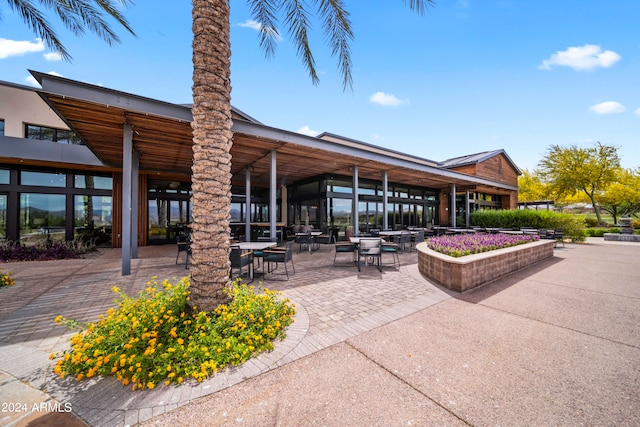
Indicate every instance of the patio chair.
{"type": "Point", "coordinates": [258, 253]}
{"type": "Point", "coordinates": [279, 256]}
{"type": "Point", "coordinates": [344, 248]}
{"type": "Point", "coordinates": [239, 260]}
{"type": "Point", "coordinates": [403, 240]}
{"type": "Point", "coordinates": [305, 239]}
{"type": "Point", "coordinates": [391, 248]}
{"type": "Point", "coordinates": [370, 248]}
{"type": "Point", "coordinates": [417, 238]}
{"type": "Point", "coordinates": [184, 245]}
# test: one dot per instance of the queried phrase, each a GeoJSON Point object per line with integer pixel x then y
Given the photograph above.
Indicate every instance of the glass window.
{"type": "Point", "coordinates": [307, 189]}
{"type": "Point", "coordinates": [367, 189]}
{"type": "Point", "coordinates": [5, 177]}
{"type": "Point", "coordinates": [43, 133]}
{"type": "Point", "coordinates": [1, 127]}
{"type": "Point", "coordinates": [42, 217]}
{"type": "Point", "coordinates": [236, 212]}
{"type": "Point", "coordinates": [94, 182]}
{"type": "Point", "coordinates": [340, 212]}
{"type": "Point", "coordinates": [340, 186]}
{"type": "Point", "coordinates": [44, 179]}
{"type": "Point", "coordinates": [402, 192]}
{"type": "Point", "coordinates": [92, 218]}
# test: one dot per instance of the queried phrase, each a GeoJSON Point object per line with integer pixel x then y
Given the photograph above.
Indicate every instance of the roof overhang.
{"type": "Point", "coordinates": [162, 136]}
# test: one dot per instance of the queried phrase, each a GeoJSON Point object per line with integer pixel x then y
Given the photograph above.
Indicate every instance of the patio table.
{"type": "Point", "coordinates": [313, 234]}
{"type": "Point", "coordinates": [254, 246]}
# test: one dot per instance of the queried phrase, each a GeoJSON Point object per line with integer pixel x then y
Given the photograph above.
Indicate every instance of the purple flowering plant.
{"type": "Point", "coordinates": [467, 244]}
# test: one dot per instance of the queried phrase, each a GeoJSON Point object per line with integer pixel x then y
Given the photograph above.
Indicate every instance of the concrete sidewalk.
{"type": "Point", "coordinates": [555, 344]}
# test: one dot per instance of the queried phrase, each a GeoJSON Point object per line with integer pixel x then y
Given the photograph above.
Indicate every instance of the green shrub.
{"type": "Point", "coordinates": [572, 225]}
{"type": "Point", "coordinates": [635, 224]}
{"type": "Point", "coordinates": [152, 338]}
{"type": "Point", "coordinates": [590, 222]}
{"type": "Point", "coordinates": [596, 232]}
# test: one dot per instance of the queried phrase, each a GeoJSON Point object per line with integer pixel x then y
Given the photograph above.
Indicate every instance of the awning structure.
{"type": "Point", "coordinates": [162, 137]}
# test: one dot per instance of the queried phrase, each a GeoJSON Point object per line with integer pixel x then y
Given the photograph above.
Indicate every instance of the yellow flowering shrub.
{"type": "Point", "coordinates": [6, 279]}
{"type": "Point", "coordinates": [153, 338]}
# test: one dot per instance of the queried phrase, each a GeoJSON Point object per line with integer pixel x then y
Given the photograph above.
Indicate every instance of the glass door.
{"type": "Point", "coordinates": [167, 219]}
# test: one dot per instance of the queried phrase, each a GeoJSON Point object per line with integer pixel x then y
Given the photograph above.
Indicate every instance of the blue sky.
{"type": "Point", "coordinates": [468, 76]}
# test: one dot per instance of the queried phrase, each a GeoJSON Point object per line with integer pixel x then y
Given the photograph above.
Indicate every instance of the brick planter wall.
{"type": "Point", "coordinates": [467, 272]}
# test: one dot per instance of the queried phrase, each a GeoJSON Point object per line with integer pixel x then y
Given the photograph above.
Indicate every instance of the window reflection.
{"type": "Point", "coordinates": [93, 182]}
{"type": "Point", "coordinates": [43, 179]}
{"type": "Point", "coordinates": [92, 218]}
{"type": "Point", "coordinates": [42, 217]}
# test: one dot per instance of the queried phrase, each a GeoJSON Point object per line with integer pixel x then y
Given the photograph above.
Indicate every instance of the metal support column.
{"type": "Point", "coordinates": [453, 205]}
{"type": "Point", "coordinates": [272, 196]}
{"type": "Point", "coordinates": [127, 165]}
{"type": "Point", "coordinates": [354, 220]}
{"type": "Point", "coordinates": [247, 202]}
{"type": "Point", "coordinates": [385, 207]}
{"type": "Point", "coordinates": [466, 209]}
{"type": "Point", "coordinates": [135, 174]}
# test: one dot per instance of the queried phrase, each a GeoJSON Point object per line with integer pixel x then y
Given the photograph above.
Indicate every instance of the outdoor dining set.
{"type": "Point", "coordinates": [276, 258]}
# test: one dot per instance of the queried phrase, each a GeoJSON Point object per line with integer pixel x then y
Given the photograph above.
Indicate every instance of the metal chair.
{"type": "Point", "coordinates": [305, 239]}
{"type": "Point", "coordinates": [403, 240]}
{"type": "Point", "coordinates": [370, 248]}
{"type": "Point", "coordinates": [391, 248]}
{"type": "Point", "coordinates": [239, 260]}
{"type": "Point", "coordinates": [416, 238]}
{"type": "Point", "coordinates": [344, 248]}
{"type": "Point", "coordinates": [279, 256]}
{"type": "Point", "coordinates": [184, 245]}
{"type": "Point", "coordinates": [258, 253]}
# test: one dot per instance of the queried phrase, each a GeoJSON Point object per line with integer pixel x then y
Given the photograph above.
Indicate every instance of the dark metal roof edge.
{"type": "Point", "coordinates": [100, 95]}
{"type": "Point", "coordinates": [364, 152]}
{"type": "Point", "coordinates": [488, 155]}
{"type": "Point", "coordinates": [377, 147]}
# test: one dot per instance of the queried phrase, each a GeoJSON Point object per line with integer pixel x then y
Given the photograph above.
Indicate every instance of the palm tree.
{"type": "Point", "coordinates": [76, 15]}
{"type": "Point", "coordinates": [212, 136]}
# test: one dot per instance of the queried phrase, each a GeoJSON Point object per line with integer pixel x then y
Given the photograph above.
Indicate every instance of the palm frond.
{"type": "Point", "coordinates": [338, 32]}
{"type": "Point", "coordinates": [297, 21]}
{"type": "Point", "coordinates": [264, 12]}
{"type": "Point", "coordinates": [419, 6]}
{"type": "Point", "coordinates": [37, 23]}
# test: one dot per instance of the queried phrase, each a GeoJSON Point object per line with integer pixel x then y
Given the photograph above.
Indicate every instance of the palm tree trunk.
{"type": "Point", "coordinates": [212, 140]}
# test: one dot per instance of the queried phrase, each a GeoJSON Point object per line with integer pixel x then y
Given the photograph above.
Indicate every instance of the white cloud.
{"type": "Point", "coordinates": [581, 58]}
{"type": "Point", "coordinates": [255, 25]}
{"type": "Point", "coordinates": [19, 48]}
{"type": "Point", "coordinates": [386, 100]}
{"type": "Point", "coordinates": [250, 23]}
{"type": "Point", "coordinates": [637, 112]}
{"type": "Point", "coordinates": [608, 107]}
{"type": "Point", "coordinates": [33, 82]}
{"type": "Point", "coordinates": [53, 56]}
{"type": "Point", "coordinates": [306, 130]}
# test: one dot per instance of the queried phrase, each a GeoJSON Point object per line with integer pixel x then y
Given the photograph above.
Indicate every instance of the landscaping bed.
{"type": "Point", "coordinates": [467, 272]}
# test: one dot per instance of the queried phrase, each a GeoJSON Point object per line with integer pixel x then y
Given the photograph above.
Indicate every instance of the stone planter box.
{"type": "Point", "coordinates": [467, 272]}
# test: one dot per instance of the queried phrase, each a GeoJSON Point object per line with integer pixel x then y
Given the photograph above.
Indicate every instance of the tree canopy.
{"type": "Point", "coordinates": [78, 16]}
{"type": "Point", "coordinates": [568, 170]}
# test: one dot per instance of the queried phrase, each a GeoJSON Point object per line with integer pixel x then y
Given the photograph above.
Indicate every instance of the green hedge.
{"type": "Point", "coordinates": [572, 225]}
